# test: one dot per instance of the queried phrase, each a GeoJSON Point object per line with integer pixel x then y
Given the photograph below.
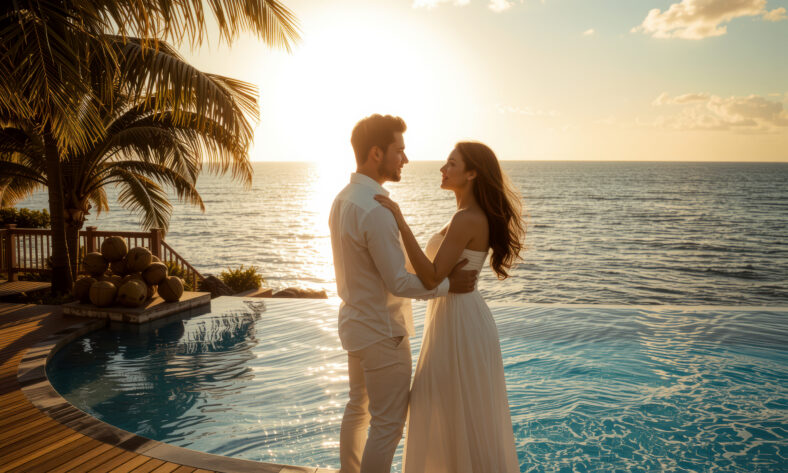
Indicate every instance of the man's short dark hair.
{"type": "Point", "coordinates": [375, 130]}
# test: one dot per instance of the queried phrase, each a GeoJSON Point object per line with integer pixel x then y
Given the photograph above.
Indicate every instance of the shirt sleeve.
{"type": "Point", "coordinates": [383, 243]}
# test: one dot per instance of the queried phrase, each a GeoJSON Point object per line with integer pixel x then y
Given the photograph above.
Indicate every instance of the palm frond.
{"type": "Point", "coordinates": [144, 197]}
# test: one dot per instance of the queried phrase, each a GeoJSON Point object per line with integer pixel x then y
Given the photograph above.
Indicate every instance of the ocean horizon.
{"type": "Point", "coordinates": [599, 232]}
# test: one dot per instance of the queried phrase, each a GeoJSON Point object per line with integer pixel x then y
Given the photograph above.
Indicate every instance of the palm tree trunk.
{"type": "Point", "coordinates": [61, 270]}
{"type": "Point", "coordinates": [72, 239]}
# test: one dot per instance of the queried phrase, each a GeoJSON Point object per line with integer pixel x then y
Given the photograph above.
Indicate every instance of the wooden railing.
{"type": "Point", "coordinates": [27, 250]}
{"type": "Point", "coordinates": [191, 274]}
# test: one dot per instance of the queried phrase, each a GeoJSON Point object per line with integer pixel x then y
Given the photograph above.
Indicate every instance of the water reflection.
{"type": "Point", "coordinates": [590, 388]}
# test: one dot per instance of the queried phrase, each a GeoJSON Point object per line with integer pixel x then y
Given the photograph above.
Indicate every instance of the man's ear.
{"type": "Point", "coordinates": [375, 153]}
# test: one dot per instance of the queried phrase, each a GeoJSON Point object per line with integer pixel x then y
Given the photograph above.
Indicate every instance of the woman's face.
{"type": "Point", "coordinates": [453, 173]}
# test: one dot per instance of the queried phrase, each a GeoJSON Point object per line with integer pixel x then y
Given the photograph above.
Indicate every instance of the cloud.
{"type": "Point", "coordinates": [494, 5]}
{"type": "Point", "coordinates": [588, 32]}
{"type": "Point", "coordinates": [778, 14]}
{"type": "Point", "coordinates": [698, 19]}
{"type": "Point", "coordinates": [701, 111]}
{"type": "Point", "coordinates": [429, 4]}
{"type": "Point", "coordinates": [500, 5]}
{"type": "Point", "coordinates": [527, 111]}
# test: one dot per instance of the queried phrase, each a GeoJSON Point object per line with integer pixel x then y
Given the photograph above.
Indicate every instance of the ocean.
{"type": "Point", "coordinates": [632, 233]}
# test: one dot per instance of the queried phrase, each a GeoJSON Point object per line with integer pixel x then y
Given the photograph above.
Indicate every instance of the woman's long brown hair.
{"type": "Point", "coordinates": [499, 202]}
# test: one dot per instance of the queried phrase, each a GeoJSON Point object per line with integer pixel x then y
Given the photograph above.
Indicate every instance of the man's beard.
{"type": "Point", "coordinates": [390, 175]}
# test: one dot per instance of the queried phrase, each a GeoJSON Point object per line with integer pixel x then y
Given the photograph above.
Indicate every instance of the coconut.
{"type": "Point", "coordinates": [132, 293]}
{"type": "Point", "coordinates": [151, 292]}
{"type": "Point", "coordinates": [155, 259]}
{"type": "Point", "coordinates": [155, 273]}
{"type": "Point", "coordinates": [132, 277]}
{"type": "Point", "coordinates": [114, 279]}
{"type": "Point", "coordinates": [171, 289]}
{"type": "Point", "coordinates": [114, 248]}
{"type": "Point", "coordinates": [118, 267]}
{"type": "Point", "coordinates": [81, 289]}
{"type": "Point", "coordinates": [102, 293]}
{"type": "Point", "coordinates": [138, 259]}
{"type": "Point", "coordinates": [95, 264]}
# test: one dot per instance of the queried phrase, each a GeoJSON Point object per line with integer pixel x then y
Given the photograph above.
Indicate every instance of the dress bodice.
{"type": "Point", "coordinates": [475, 258]}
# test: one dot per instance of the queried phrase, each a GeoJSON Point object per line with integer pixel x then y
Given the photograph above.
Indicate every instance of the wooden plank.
{"type": "Point", "coordinates": [33, 452]}
{"type": "Point", "coordinates": [77, 458]}
{"type": "Point", "coordinates": [148, 466]}
{"type": "Point", "coordinates": [56, 457]}
{"type": "Point", "coordinates": [115, 462]}
{"type": "Point", "coordinates": [131, 464]}
{"type": "Point", "coordinates": [91, 459]}
{"type": "Point", "coordinates": [166, 468]}
{"type": "Point", "coordinates": [30, 441]}
{"type": "Point", "coordinates": [184, 469]}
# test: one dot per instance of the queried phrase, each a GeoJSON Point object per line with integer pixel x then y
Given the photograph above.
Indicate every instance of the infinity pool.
{"type": "Point", "coordinates": [591, 388]}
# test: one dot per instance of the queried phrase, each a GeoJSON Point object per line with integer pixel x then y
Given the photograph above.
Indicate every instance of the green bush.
{"type": "Point", "coordinates": [242, 279]}
{"type": "Point", "coordinates": [24, 218]}
{"type": "Point", "coordinates": [174, 269]}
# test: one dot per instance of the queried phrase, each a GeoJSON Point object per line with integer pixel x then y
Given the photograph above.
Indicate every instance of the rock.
{"type": "Point", "coordinates": [215, 286]}
{"type": "Point", "coordinates": [302, 293]}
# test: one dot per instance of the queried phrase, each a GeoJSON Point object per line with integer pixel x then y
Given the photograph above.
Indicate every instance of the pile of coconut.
{"type": "Point", "coordinates": [125, 277]}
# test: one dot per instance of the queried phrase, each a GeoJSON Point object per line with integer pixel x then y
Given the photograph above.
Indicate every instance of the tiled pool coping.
{"type": "Point", "coordinates": [32, 378]}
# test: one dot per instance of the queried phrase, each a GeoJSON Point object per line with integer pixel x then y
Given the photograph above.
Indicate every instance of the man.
{"type": "Point", "coordinates": [375, 318]}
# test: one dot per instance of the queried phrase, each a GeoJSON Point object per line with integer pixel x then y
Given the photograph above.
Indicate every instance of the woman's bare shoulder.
{"type": "Point", "coordinates": [472, 223]}
{"type": "Point", "coordinates": [469, 217]}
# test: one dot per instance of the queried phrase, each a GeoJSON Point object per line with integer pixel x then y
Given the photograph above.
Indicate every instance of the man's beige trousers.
{"type": "Point", "coordinates": [379, 377]}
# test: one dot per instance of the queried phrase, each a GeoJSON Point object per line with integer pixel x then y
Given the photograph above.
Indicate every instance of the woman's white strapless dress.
{"type": "Point", "coordinates": [459, 419]}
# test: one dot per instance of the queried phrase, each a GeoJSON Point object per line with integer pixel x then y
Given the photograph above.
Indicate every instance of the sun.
{"type": "Point", "coordinates": [348, 67]}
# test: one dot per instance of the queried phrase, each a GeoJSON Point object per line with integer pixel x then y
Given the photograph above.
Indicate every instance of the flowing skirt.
{"type": "Point", "coordinates": [459, 419]}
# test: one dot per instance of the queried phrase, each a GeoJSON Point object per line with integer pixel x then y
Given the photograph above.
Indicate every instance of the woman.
{"type": "Point", "coordinates": [459, 417]}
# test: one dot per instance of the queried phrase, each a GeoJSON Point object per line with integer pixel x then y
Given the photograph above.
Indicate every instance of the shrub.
{"type": "Point", "coordinates": [242, 279]}
{"type": "Point", "coordinates": [174, 269]}
{"type": "Point", "coordinates": [24, 218]}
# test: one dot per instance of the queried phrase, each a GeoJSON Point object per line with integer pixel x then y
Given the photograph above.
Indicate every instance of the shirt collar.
{"type": "Point", "coordinates": [358, 178]}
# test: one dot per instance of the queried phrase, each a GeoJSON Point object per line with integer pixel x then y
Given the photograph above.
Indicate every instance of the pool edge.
{"type": "Point", "coordinates": [34, 383]}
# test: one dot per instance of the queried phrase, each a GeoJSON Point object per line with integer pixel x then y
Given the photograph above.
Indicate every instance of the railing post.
{"type": "Point", "coordinates": [90, 240]}
{"type": "Point", "coordinates": [10, 251]}
{"type": "Point", "coordinates": [156, 236]}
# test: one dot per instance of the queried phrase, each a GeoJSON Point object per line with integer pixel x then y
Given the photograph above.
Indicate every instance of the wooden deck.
{"type": "Point", "coordinates": [8, 288]}
{"type": "Point", "coordinates": [40, 431]}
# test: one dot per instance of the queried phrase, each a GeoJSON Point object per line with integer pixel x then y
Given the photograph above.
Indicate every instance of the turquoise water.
{"type": "Point", "coordinates": [591, 388]}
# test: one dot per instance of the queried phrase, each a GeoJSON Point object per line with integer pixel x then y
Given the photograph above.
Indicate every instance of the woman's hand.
{"type": "Point", "coordinates": [393, 207]}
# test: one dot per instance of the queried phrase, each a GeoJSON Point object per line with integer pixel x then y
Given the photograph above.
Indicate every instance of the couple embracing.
{"type": "Point", "coordinates": [459, 417]}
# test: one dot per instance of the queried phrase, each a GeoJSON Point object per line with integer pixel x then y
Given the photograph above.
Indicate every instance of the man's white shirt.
{"type": "Point", "coordinates": [372, 281]}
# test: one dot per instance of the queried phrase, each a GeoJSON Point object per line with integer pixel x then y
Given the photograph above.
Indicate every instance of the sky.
{"type": "Point", "coordinates": [675, 80]}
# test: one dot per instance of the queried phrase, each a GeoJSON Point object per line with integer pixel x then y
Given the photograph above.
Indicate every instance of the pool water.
{"type": "Point", "coordinates": [591, 388]}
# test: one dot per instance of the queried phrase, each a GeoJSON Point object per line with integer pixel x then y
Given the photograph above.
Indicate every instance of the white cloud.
{"type": "Point", "coordinates": [588, 32]}
{"type": "Point", "coordinates": [700, 111]}
{"type": "Point", "coordinates": [429, 4]}
{"type": "Point", "coordinates": [698, 19]}
{"type": "Point", "coordinates": [494, 5]}
{"type": "Point", "coordinates": [527, 111]}
{"type": "Point", "coordinates": [778, 14]}
{"type": "Point", "coordinates": [500, 5]}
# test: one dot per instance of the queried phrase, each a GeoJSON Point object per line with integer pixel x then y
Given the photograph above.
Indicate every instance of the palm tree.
{"type": "Point", "coordinates": [143, 150]}
{"type": "Point", "coordinates": [50, 48]}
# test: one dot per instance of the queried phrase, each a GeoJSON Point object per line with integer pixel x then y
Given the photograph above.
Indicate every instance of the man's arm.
{"type": "Point", "coordinates": [382, 238]}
